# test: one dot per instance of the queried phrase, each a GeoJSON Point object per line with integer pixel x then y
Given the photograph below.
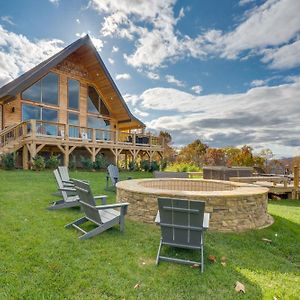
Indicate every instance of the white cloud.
{"type": "Point", "coordinates": [284, 57]}
{"type": "Point", "coordinates": [258, 82]}
{"type": "Point", "coordinates": [55, 2]}
{"type": "Point", "coordinates": [18, 54]}
{"type": "Point", "coordinates": [111, 61]}
{"type": "Point", "coordinates": [98, 43]}
{"type": "Point", "coordinates": [115, 49]}
{"type": "Point", "coordinates": [124, 76]}
{"type": "Point", "coordinates": [197, 89]}
{"type": "Point", "coordinates": [131, 99]}
{"type": "Point", "coordinates": [153, 76]}
{"type": "Point", "coordinates": [266, 30]}
{"type": "Point", "coordinates": [255, 117]}
{"type": "Point", "coordinates": [244, 2]}
{"type": "Point", "coordinates": [77, 21]}
{"type": "Point", "coordinates": [140, 113]}
{"type": "Point", "coordinates": [172, 79]}
{"type": "Point", "coordinates": [8, 19]}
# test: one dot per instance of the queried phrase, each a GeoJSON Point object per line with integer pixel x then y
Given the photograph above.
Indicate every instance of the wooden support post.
{"type": "Point", "coordinates": [93, 154]}
{"type": "Point", "coordinates": [25, 158]}
{"type": "Point", "coordinates": [126, 162]}
{"type": "Point", "coordinates": [66, 156]}
{"type": "Point", "coordinates": [94, 135]}
{"type": "Point", "coordinates": [296, 183]}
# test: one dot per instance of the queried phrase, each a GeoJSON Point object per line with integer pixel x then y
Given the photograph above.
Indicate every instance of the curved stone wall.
{"type": "Point", "coordinates": [232, 206]}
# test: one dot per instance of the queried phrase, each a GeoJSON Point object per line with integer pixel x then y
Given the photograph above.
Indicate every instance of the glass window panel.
{"type": "Point", "coordinates": [93, 100]}
{"type": "Point", "coordinates": [30, 112]}
{"type": "Point", "coordinates": [49, 115]}
{"type": "Point", "coordinates": [50, 89]}
{"type": "Point", "coordinates": [73, 119]}
{"type": "Point", "coordinates": [73, 93]}
{"type": "Point", "coordinates": [103, 109]}
{"type": "Point", "coordinates": [98, 123]}
{"type": "Point", "coordinates": [33, 93]}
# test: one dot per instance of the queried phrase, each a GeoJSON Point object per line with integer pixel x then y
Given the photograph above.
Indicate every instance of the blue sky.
{"type": "Point", "coordinates": [227, 72]}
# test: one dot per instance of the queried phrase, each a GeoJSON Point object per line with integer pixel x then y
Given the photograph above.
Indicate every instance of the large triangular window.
{"type": "Point", "coordinates": [95, 103]}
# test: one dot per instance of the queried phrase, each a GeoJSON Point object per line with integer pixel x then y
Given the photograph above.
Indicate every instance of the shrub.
{"type": "Point", "coordinates": [154, 166]}
{"type": "Point", "coordinates": [38, 163]}
{"type": "Point", "coordinates": [8, 161]}
{"type": "Point", "coordinates": [87, 163]}
{"type": "Point", "coordinates": [145, 165]}
{"type": "Point", "coordinates": [183, 167]}
{"type": "Point", "coordinates": [163, 164]}
{"type": "Point", "coordinates": [72, 163]}
{"type": "Point", "coordinates": [133, 166]}
{"type": "Point", "coordinates": [101, 162]}
{"type": "Point", "coordinates": [52, 162]}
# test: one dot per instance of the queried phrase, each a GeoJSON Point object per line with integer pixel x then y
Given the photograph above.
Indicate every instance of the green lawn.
{"type": "Point", "coordinates": [40, 259]}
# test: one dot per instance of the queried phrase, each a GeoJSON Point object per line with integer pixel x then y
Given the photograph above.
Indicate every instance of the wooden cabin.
{"type": "Point", "coordinates": [69, 104]}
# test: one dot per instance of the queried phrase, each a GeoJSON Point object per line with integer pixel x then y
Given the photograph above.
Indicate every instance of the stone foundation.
{"type": "Point", "coordinates": [232, 206]}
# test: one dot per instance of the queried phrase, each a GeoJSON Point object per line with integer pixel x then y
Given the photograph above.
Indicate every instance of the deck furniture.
{"type": "Point", "coordinates": [70, 198]}
{"type": "Point", "coordinates": [113, 175]}
{"type": "Point", "coordinates": [182, 224]}
{"type": "Point", "coordinates": [64, 174]}
{"type": "Point", "coordinates": [224, 173]}
{"type": "Point", "coordinates": [103, 216]}
{"type": "Point", "coordinates": [160, 174]}
{"type": "Point", "coordinates": [273, 179]}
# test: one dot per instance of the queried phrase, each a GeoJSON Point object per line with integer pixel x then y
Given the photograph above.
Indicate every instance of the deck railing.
{"type": "Point", "coordinates": [66, 132]}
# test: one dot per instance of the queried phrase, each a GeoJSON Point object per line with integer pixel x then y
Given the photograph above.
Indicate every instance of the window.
{"type": "Point", "coordinates": [40, 113]}
{"type": "Point", "coordinates": [50, 89]}
{"type": "Point", "coordinates": [73, 94]}
{"type": "Point", "coordinates": [30, 112]}
{"type": "Point", "coordinates": [98, 123]}
{"type": "Point", "coordinates": [95, 103]}
{"type": "Point", "coordinates": [45, 90]}
{"type": "Point", "coordinates": [73, 119]}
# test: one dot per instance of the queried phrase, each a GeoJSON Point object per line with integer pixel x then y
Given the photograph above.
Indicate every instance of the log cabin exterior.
{"type": "Point", "coordinates": [70, 105]}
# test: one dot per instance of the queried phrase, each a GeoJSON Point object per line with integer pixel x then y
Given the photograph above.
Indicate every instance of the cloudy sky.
{"type": "Point", "coordinates": [227, 72]}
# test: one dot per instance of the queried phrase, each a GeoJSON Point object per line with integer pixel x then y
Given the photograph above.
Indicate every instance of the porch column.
{"type": "Point", "coordinates": [25, 157]}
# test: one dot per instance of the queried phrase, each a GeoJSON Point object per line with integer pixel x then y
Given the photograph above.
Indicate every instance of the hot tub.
{"type": "Point", "coordinates": [232, 206]}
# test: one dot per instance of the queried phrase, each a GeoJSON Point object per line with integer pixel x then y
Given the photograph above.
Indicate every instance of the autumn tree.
{"type": "Point", "coordinates": [169, 153]}
{"type": "Point", "coordinates": [193, 153]}
{"type": "Point", "coordinates": [214, 157]}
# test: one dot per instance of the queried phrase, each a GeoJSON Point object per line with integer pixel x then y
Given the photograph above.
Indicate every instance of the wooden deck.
{"type": "Point", "coordinates": [33, 136]}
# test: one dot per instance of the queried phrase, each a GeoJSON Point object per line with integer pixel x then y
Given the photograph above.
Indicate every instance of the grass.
{"type": "Point", "coordinates": [40, 259]}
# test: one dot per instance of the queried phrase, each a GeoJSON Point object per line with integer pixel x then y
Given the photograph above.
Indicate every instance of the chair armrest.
{"type": "Point", "coordinates": [67, 189]}
{"type": "Point", "coordinates": [102, 197]}
{"type": "Point", "coordinates": [71, 180]}
{"type": "Point", "coordinates": [112, 206]}
{"type": "Point", "coordinates": [68, 181]}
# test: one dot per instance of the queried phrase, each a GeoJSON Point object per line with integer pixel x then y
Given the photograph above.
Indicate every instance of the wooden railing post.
{"type": "Point", "coordinates": [66, 129]}
{"type": "Point", "coordinates": [94, 135]}
{"type": "Point", "coordinates": [33, 128]}
{"type": "Point", "coordinates": [296, 182]}
{"type": "Point", "coordinates": [117, 137]}
{"type": "Point", "coordinates": [150, 140]}
{"type": "Point", "coordinates": [134, 139]}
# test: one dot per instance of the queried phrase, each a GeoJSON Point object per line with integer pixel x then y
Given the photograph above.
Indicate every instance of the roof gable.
{"type": "Point", "coordinates": [16, 86]}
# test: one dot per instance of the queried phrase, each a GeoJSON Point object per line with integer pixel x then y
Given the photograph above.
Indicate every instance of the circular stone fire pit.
{"type": "Point", "coordinates": [232, 206]}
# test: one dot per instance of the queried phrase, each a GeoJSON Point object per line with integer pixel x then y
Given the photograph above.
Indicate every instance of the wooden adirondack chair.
{"type": "Point", "coordinates": [113, 175]}
{"type": "Point", "coordinates": [69, 194]}
{"type": "Point", "coordinates": [182, 224]}
{"type": "Point", "coordinates": [64, 174]}
{"type": "Point", "coordinates": [103, 216]}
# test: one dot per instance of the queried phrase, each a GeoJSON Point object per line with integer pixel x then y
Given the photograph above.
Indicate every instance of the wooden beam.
{"type": "Point", "coordinates": [88, 149]}
{"type": "Point", "coordinates": [25, 157]}
{"type": "Point", "coordinates": [39, 148]}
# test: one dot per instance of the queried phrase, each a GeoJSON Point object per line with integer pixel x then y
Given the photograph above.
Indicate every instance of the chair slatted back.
{"type": "Point", "coordinates": [87, 200]}
{"type": "Point", "coordinates": [60, 185]}
{"type": "Point", "coordinates": [181, 221]}
{"type": "Point", "coordinates": [64, 173]}
{"type": "Point", "coordinates": [159, 174]}
{"type": "Point", "coordinates": [113, 172]}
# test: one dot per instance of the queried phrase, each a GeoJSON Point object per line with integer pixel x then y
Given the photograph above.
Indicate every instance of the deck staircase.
{"type": "Point", "coordinates": [11, 138]}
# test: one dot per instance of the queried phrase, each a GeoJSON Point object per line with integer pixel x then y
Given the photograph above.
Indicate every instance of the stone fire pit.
{"type": "Point", "coordinates": [232, 206]}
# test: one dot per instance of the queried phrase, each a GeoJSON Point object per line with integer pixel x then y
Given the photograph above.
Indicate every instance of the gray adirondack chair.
{"type": "Point", "coordinates": [69, 194]}
{"type": "Point", "coordinates": [65, 177]}
{"type": "Point", "coordinates": [103, 216]}
{"type": "Point", "coordinates": [181, 223]}
{"type": "Point", "coordinates": [113, 175]}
